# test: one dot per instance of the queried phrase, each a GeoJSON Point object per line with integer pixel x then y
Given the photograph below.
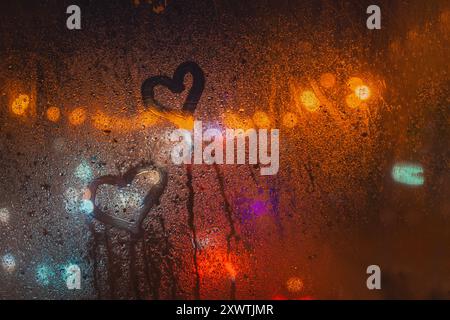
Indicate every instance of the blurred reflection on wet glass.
{"type": "Point", "coordinates": [364, 155]}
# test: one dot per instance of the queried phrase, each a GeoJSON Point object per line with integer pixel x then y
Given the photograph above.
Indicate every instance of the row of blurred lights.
{"type": "Point", "coordinates": [310, 100]}
{"type": "Point", "coordinates": [44, 274]}
{"type": "Point", "coordinates": [215, 262]}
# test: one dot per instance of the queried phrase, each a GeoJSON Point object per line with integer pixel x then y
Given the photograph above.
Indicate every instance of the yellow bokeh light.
{"type": "Point", "coordinates": [20, 104]}
{"type": "Point", "coordinates": [353, 101]}
{"type": "Point", "coordinates": [261, 119]}
{"type": "Point", "coordinates": [53, 114]}
{"type": "Point", "coordinates": [327, 80]}
{"type": "Point", "coordinates": [290, 120]}
{"type": "Point", "coordinates": [362, 92]}
{"type": "Point", "coordinates": [294, 284]}
{"type": "Point", "coordinates": [354, 82]}
{"type": "Point", "coordinates": [309, 100]}
{"type": "Point", "coordinates": [77, 116]}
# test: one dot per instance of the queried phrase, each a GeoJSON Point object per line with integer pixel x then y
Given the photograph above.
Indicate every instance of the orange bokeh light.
{"type": "Point", "coordinates": [309, 100]}
{"type": "Point", "coordinates": [179, 119]}
{"type": "Point", "coordinates": [261, 119]}
{"type": "Point", "coordinates": [53, 114]}
{"type": "Point", "coordinates": [77, 116]}
{"type": "Point", "coordinates": [20, 104]}
{"type": "Point", "coordinates": [103, 121]}
{"type": "Point", "coordinates": [294, 284]}
{"type": "Point", "coordinates": [217, 262]}
{"type": "Point", "coordinates": [353, 101]}
{"type": "Point", "coordinates": [362, 92]}
{"type": "Point", "coordinates": [354, 82]}
{"type": "Point", "coordinates": [231, 270]}
{"type": "Point", "coordinates": [149, 118]}
{"type": "Point", "coordinates": [327, 80]}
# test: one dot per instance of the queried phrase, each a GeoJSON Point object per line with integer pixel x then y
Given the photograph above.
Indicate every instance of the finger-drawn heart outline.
{"type": "Point", "coordinates": [176, 85]}
{"type": "Point", "coordinates": [151, 199]}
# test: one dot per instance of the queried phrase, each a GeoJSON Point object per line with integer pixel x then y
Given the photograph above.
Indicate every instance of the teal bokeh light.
{"type": "Point", "coordinates": [86, 207]}
{"type": "Point", "coordinates": [84, 172]}
{"type": "Point", "coordinates": [408, 173]}
{"type": "Point", "coordinates": [44, 275]}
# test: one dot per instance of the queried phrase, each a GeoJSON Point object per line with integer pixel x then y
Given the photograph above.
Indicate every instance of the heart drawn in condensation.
{"type": "Point", "coordinates": [135, 215]}
{"type": "Point", "coordinates": [176, 85]}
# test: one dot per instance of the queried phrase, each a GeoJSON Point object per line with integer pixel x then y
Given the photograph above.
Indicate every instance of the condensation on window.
{"type": "Point", "coordinates": [364, 159]}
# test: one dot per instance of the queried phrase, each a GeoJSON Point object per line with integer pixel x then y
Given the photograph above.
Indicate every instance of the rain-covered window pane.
{"type": "Point", "coordinates": [345, 164]}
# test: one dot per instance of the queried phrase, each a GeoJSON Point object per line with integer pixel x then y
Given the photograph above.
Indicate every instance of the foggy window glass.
{"type": "Point", "coordinates": [89, 188]}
